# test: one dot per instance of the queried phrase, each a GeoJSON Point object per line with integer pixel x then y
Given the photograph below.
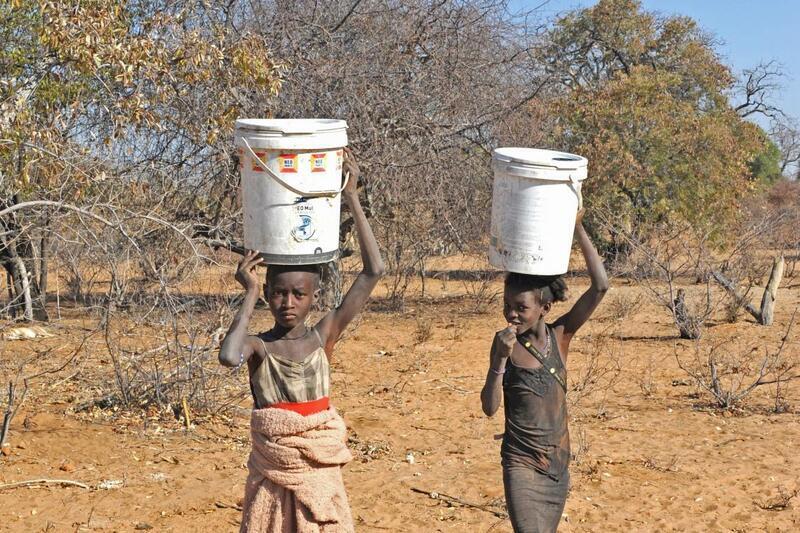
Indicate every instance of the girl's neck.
{"type": "Point", "coordinates": [538, 330]}
{"type": "Point", "coordinates": [297, 332]}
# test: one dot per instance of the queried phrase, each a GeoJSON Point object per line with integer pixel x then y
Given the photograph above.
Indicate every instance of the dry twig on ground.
{"type": "Point", "coordinates": [44, 482]}
{"type": "Point", "coordinates": [458, 501]}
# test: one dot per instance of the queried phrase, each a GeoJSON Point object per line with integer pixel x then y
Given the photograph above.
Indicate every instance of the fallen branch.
{"type": "Point", "coordinates": [225, 505]}
{"type": "Point", "coordinates": [35, 482]}
{"type": "Point", "coordinates": [452, 499]}
{"type": "Point", "coordinates": [763, 316]}
{"type": "Point", "coordinates": [454, 387]}
{"type": "Point", "coordinates": [216, 244]}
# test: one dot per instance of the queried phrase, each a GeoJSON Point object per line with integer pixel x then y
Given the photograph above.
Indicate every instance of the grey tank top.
{"type": "Point", "coordinates": [278, 379]}
{"type": "Point", "coordinates": [535, 407]}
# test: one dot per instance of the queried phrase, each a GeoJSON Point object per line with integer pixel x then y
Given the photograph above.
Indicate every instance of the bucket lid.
{"type": "Point", "coordinates": [291, 125]}
{"type": "Point", "coordinates": [540, 158]}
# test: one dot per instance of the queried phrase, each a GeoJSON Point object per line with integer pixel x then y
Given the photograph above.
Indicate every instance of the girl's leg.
{"type": "Point", "coordinates": [535, 502]}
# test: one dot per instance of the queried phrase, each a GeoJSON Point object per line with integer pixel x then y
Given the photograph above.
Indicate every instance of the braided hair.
{"type": "Point", "coordinates": [550, 288]}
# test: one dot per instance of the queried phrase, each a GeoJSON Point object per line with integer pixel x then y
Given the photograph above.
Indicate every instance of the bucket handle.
{"type": "Point", "coordinates": [305, 194]}
{"type": "Point", "coordinates": [576, 186]}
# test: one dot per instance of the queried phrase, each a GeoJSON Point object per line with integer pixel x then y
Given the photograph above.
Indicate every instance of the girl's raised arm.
{"type": "Point", "coordinates": [235, 349]}
{"type": "Point", "coordinates": [590, 299]}
{"type": "Point", "coordinates": [335, 322]}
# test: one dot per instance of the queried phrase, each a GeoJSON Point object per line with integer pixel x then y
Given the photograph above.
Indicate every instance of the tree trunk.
{"type": "Point", "coordinates": [771, 291]}
{"type": "Point", "coordinates": [20, 274]}
{"type": "Point", "coordinates": [331, 285]}
{"type": "Point", "coordinates": [688, 326]}
{"type": "Point", "coordinates": [10, 287]}
{"type": "Point", "coordinates": [25, 296]}
{"type": "Point", "coordinates": [44, 257]}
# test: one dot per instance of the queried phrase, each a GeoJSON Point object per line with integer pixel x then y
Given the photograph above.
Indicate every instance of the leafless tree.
{"type": "Point", "coordinates": [757, 90]}
{"type": "Point", "coordinates": [660, 258]}
{"type": "Point", "coordinates": [767, 230]}
{"type": "Point", "coordinates": [730, 374]}
{"type": "Point", "coordinates": [427, 88]}
{"type": "Point", "coordinates": [786, 134]}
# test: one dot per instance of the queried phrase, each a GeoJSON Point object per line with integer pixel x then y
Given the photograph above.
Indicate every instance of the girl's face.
{"type": "Point", "coordinates": [290, 296]}
{"type": "Point", "coordinates": [523, 308]}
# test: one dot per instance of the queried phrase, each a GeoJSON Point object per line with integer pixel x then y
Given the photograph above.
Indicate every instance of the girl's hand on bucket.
{"type": "Point", "coordinates": [246, 270]}
{"type": "Point", "coordinates": [349, 166]}
{"type": "Point", "coordinates": [579, 217]}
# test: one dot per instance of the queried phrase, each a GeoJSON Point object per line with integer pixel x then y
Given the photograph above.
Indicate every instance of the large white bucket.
{"type": "Point", "coordinates": [536, 196]}
{"type": "Point", "coordinates": [291, 183]}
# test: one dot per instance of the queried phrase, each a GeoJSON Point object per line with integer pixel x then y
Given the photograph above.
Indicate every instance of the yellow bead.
{"type": "Point", "coordinates": [552, 370]}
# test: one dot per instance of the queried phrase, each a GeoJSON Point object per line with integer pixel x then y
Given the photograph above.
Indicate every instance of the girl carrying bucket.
{"type": "Point", "coordinates": [298, 439]}
{"type": "Point", "coordinates": [529, 359]}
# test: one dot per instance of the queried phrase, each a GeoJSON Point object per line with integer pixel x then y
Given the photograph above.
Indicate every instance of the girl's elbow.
{"type": "Point", "coordinates": [376, 271]}
{"type": "Point", "coordinates": [227, 359]}
{"type": "Point", "coordinates": [489, 407]}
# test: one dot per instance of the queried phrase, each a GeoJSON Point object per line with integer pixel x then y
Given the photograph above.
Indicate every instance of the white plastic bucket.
{"type": "Point", "coordinates": [291, 173]}
{"type": "Point", "coordinates": [536, 196]}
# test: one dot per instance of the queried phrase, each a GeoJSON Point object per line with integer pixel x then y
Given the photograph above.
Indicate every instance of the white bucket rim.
{"type": "Point", "coordinates": [536, 157]}
{"type": "Point", "coordinates": [290, 126]}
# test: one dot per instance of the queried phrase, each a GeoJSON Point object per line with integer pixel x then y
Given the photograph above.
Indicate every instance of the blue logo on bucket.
{"type": "Point", "coordinates": [305, 230]}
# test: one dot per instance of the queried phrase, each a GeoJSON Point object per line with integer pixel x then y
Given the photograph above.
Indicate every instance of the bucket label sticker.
{"type": "Point", "coordinates": [318, 162]}
{"type": "Point", "coordinates": [256, 167]}
{"type": "Point", "coordinates": [305, 229]}
{"type": "Point", "coordinates": [303, 208]}
{"type": "Point", "coordinates": [339, 159]}
{"type": "Point", "coordinates": [287, 162]}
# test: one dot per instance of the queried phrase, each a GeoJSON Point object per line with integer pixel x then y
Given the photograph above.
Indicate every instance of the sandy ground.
{"type": "Point", "coordinates": [651, 453]}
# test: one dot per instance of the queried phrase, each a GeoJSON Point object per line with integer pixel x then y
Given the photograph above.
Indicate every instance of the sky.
{"type": "Point", "coordinates": [749, 32]}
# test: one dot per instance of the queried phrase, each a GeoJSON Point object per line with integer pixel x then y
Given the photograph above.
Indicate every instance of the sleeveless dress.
{"type": "Point", "coordinates": [535, 451]}
{"type": "Point", "coordinates": [300, 386]}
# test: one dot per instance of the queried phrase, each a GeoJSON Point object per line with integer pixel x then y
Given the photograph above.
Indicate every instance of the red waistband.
{"type": "Point", "coordinates": [304, 408]}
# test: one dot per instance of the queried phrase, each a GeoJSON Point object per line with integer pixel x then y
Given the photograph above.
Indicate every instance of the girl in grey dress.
{"type": "Point", "coordinates": [527, 369]}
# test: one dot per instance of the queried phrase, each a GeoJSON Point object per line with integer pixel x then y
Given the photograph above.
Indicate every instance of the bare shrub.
{"type": "Point", "coordinates": [581, 451]}
{"type": "Point", "coordinates": [423, 331]}
{"type": "Point", "coordinates": [662, 257]}
{"type": "Point", "coordinates": [599, 372]}
{"type": "Point", "coordinates": [182, 367]}
{"type": "Point", "coordinates": [746, 263]}
{"type": "Point", "coordinates": [622, 305]}
{"type": "Point", "coordinates": [14, 401]}
{"type": "Point", "coordinates": [729, 375]}
{"type": "Point", "coordinates": [480, 291]}
{"type": "Point", "coordinates": [782, 501]}
{"type": "Point", "coordinates": [733, 307]}
{"type": "Point", "coordinates": [646, 379]}
{"type": "Point", "coordinates": [367, 450]}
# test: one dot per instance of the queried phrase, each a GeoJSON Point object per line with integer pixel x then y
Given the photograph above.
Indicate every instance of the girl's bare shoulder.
{"type": "Point", "coordinates": [257, 344]}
